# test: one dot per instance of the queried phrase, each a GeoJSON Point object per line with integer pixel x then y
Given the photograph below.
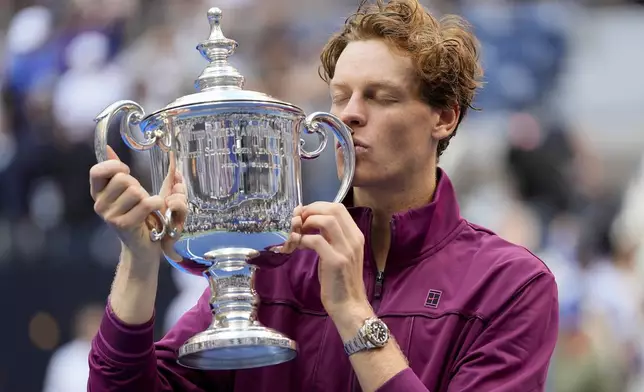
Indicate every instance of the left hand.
{"type": "Point", "coordinates": [329, 230]}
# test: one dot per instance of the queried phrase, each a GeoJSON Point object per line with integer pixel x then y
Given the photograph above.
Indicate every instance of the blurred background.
{"type": "Point", "coordinates": [553, 160]}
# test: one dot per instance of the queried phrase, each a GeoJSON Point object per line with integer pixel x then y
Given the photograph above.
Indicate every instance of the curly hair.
{"type": "Point", "coordinates": [444, 51]}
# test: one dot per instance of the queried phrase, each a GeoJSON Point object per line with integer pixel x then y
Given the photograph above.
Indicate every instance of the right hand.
{"type": "Point", "coordinates": [126, 206]}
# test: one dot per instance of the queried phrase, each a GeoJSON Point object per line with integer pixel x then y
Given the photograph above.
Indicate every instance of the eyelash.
{"type": "Point", "coordinates": [386, 99]}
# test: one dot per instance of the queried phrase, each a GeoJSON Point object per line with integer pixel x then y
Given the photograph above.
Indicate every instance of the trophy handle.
{"type": "Point", "coordinates": [343, 134]}
{"type": "Point", "coordinates": [132, 115]}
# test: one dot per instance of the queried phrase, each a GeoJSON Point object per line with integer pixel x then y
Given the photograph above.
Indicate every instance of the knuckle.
{"type": "Point", "coordinates": [98, 207]}
{"type": "Point", "coordinates": [123, 167]}
{"type": "Point", "coordinates": [119, 178]}
{"type": "Point", "coordinates": [137, 192]}
{"type": "Point", "coordinates": [125, 179]}
{"type": "Point", "coordinates": [95, 171]}
{"type": "Point", "coordinates": [179, 189]}
{"type": "Point", "coordinates": [317, 239]}
{"type": "Point", "coordinates": [327, 221]}
{"type": "Point", "coordinates": [110, 218]}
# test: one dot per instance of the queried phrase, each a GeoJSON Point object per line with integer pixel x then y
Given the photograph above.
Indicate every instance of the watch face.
{"type": "Point", "coordinates": [378, 333]}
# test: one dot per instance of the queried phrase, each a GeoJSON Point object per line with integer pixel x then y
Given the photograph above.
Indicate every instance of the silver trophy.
{"type": "Point", "coordinates": [239, 153]}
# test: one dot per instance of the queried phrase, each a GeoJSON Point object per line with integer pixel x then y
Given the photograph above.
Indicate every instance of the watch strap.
{"type": "Point", "coordinates": [358, 343]}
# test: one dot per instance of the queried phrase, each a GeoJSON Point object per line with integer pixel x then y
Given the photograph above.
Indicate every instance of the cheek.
{"type": "Point", "coordinates": [404, 143]}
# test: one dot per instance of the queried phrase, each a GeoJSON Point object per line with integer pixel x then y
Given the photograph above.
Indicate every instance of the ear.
{"type": "Point", "coordinates": [447, 122]}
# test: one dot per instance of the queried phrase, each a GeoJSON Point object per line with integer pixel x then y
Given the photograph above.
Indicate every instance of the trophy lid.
{"type": "Point", "coordinates": [220, 81]}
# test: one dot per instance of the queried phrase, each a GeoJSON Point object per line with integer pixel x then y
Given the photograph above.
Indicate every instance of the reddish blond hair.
{"type": "Point", "coordinates": [444, 51]}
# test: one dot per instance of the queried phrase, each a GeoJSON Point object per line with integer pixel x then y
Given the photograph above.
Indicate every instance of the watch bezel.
{"type": "Point", "coordinates": [372, 335]}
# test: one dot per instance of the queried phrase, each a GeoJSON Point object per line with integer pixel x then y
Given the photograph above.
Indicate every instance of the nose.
{"type": "Point", "coordinates": [353, 114]}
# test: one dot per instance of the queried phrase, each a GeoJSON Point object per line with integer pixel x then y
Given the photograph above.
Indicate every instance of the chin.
{"type": "Point", "coordinates": [364, 177]}
{"type": "Point", "coordinates": [367, 174]}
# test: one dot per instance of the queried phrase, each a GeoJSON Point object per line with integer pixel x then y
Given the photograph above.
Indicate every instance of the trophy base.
{"type": "Point", "coordinates": [233, 348]}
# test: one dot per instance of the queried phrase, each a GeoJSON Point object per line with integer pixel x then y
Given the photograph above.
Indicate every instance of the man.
{"type": "Point", "coordinates": [465, 310]}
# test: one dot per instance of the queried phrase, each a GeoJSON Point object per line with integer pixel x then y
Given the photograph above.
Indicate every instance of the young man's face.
{"type": "Point", "coordinates": [374, 91]}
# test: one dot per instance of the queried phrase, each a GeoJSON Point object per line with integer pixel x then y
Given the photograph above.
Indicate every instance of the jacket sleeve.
{"type": "Point", "coordinates": [406, 381]}
{"type": "Point", "coordinates": [513, 352]}
{"type": "Point", "coordinates": [125, 358]}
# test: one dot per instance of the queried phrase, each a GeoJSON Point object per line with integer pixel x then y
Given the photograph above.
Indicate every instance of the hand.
{"type": "Point", "coordinates": [127, 207]}
{"type": "Point", "coordinates": [329, 230]}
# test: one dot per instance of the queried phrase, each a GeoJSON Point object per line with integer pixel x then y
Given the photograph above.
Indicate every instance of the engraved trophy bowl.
{"type": "Point", "coordinates": [239, 153]}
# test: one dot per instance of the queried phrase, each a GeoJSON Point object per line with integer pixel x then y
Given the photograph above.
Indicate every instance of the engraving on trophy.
{"type": "Point", "coordinates": [239, 165]}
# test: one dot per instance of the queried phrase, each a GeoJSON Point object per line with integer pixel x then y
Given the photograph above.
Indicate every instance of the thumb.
{"type": "Point", "coordinates": [111, 154]}
{"type": "Point", "coordinates": [169, 181]}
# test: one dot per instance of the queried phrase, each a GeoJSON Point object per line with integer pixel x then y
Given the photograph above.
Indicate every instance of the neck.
{"type": "Point", "coordinates": [387, 201]}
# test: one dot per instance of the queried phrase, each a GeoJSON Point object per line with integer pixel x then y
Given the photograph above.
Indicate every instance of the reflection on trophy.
{"type": "Point", "coordinates": [239, 153]}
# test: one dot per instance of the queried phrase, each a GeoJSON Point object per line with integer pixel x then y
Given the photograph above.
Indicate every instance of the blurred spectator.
{"type": "Point", "coordinates": [68, 368]}
{"type": "Point", "coordinates": [190, 288]}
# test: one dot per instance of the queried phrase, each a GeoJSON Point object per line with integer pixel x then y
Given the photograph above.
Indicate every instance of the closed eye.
{"type": "Point", "coordinates": [337, 99]}
{"type": "Point", "coordinates": [387, 98]}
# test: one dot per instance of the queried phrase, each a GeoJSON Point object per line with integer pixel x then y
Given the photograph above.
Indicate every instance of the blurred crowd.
{"type": "Point", "coordinates": [552, 160]}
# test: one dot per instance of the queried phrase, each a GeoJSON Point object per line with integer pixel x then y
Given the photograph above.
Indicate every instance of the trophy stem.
{"type": "Point", "coordinates": [234, 300]}
{"type": "Point", "coordinates": [235, 339]}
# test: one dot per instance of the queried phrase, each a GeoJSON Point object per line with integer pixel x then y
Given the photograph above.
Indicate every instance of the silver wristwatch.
{"type": "Point", "coordinates": [373, 334]}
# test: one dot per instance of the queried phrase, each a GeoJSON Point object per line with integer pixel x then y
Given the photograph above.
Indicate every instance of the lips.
{"type": "Point", "coordinates": [356, 143]}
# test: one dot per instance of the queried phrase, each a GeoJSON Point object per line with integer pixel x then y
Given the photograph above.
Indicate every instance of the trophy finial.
{"type": "Point", "coordinates": [216, 49]}
{"type": "Point", "coordinates": [214, 17]}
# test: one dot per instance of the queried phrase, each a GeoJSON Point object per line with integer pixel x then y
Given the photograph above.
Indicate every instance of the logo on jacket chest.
{"type": "Point", "coordinates": [433, 298]}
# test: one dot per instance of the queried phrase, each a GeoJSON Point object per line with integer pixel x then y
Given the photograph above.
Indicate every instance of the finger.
{"type": "Point", "coordinates": [101, 173]}
{"type": "Point", "coordinates": [292, 243]}
{"type": "Point", "coordinates": [319, 244]}
{"type": "Point", "coordinates": [170, 178]}
{"type": "Point", "coordinates": [178, 204]}
{"type": "Point", "coordinates": [327, 225]}
{"type": "Point", "coordinates": [323, 208]}
{"type": "Point", "coordinates": [111, 154]}
{"type": "Point", "coordinates": [318, 207]}
{"type": "Point", "coordinates": [294, 237]}
{"type": "Point", "coordinates": [338, 210]}
{"type": "Point", "coordinates": [179, 188]}
{"type": "Point", "coordinates": [137, 215]}
{"type": "Point", "coordinates": [117, 185]}
{"type": "Point", "coordinates": [127, 200]}
{"type": "Point", "coordinates": [296, 224]}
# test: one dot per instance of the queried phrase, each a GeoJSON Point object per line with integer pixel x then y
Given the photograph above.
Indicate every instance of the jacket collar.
{"type": "Point", "coordinates": [418, 232]}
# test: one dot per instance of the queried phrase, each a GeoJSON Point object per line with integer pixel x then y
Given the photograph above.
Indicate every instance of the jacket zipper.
{"type": "Point", "coordinates": [380, 277]}
{"type": "Point", "coordinates": [375, 304]}
{"type": "Point", "coordinates": [377, 291]}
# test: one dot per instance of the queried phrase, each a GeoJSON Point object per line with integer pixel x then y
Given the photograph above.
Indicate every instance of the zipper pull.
{"type": "Point", "coordinates": [378, 289]}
